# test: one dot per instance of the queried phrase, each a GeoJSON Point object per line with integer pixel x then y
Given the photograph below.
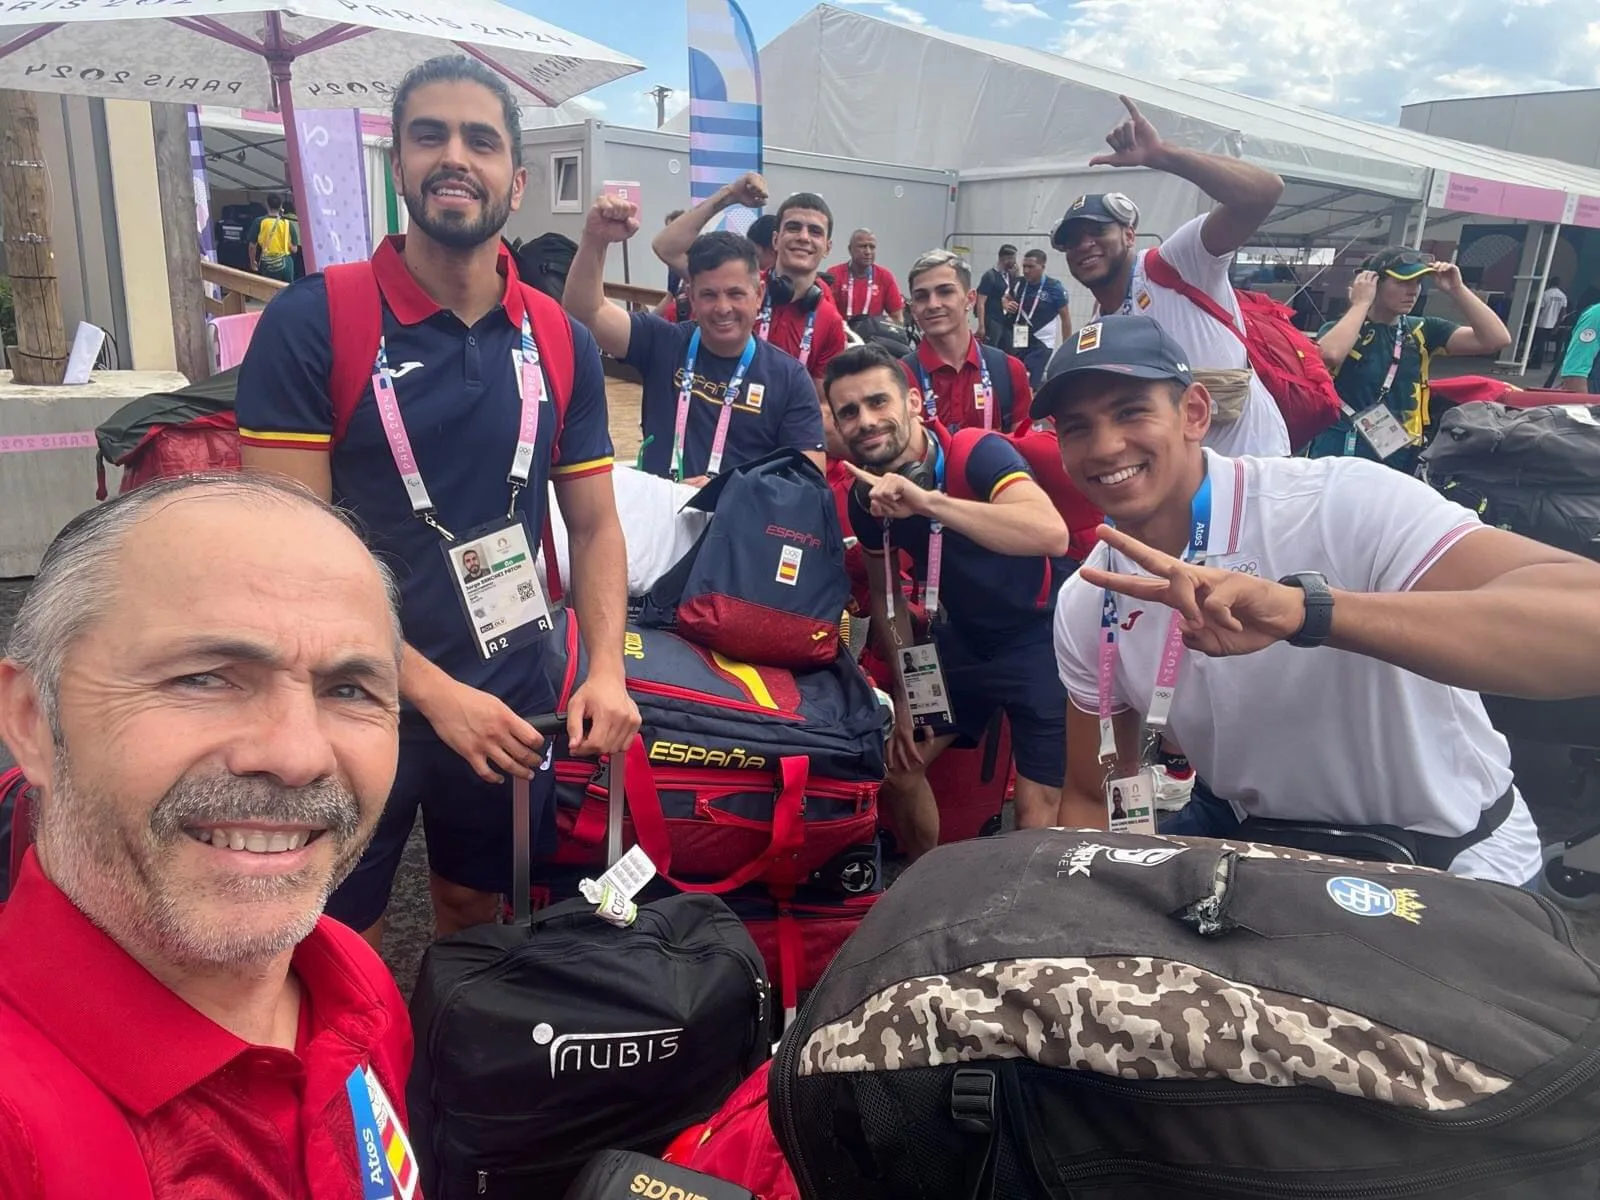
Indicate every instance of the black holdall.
{"type": "Point", "coordinates": [544, 1041]}
{"type": "Point", "coordinates": [1090, 1016]}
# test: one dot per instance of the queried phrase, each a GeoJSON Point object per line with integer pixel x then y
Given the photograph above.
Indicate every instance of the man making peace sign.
{"type": "Point", "coordinates": [1313, 633]}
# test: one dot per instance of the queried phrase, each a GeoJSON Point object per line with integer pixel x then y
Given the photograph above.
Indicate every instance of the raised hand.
{"type": "Point", "coordinates": [749, 190]}
{"type": "Point", "coordinates": [1364, 289]}
{"type": "Point", "coordinates": [612, 219]}
{"type": "Point", "coordinates": [1448, 277]}
{"type": "Point", "coordinates": [1133, 140]}
{"type": "Point", "coordinates": [1222, 612]}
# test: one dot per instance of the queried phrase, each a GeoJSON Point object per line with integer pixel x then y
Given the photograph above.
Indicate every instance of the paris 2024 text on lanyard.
{"type": "Point", "coordinates": [491, 566]}
{"type": "Point", "coordinates": [918, 664]}
{"type": "Point", "coordinates": [730, 397]}
{"type": "Point", "coordinates": [1130, 799]}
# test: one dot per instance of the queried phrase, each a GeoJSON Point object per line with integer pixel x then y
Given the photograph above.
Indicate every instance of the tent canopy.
{"type": "Point", "coordinates": [859, 86]}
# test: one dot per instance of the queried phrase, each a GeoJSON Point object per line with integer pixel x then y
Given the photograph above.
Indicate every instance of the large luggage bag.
{"type": "Point", "coordinates": [1534, 471]}
{"type": "Point", "coordinates": [742, 774]}
{"type": "Point", "coordinates": [970, 785]}
{"type": "Point", "coordinates": [547, 1040]}
{"type": "Point", "coordinates": [1116, 1017]}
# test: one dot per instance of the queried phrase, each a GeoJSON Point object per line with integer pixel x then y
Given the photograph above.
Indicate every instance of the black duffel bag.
{"type": "Point", "coordinates": [1103, 1016]}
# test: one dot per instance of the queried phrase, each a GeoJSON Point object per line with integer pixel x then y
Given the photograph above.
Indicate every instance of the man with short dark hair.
{"type": "Point", "coordinates": [456, 439]}
{"type": "Point", "coordinates": [203, 688]}
{"type": "Point", "coordinates": [962, 382]}
{"type": "Point", "coordinates": [797, 311]}
{"type": "Point", "coordinates": [863, 288]}
{"type": "Point", "coordinates": [993, 289]}
{"type": "Point", "coordinates": [989, 568]}
{"type": "Point", "coordinates": [715, 395]}
{"type": "Point", "coordinates": [1034, 307]}
{"type": "Point", "coordinates": [1312, 632]}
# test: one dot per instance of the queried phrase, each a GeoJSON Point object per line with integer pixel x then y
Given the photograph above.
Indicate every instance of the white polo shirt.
{"type": "Point", "coordinates": [1260, 429]}
{"type": "Point", "coordinates": [1317, 735]}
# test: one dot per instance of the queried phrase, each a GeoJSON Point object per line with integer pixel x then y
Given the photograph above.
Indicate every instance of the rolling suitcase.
{"type": "Point", "coordinates": [970, 786]}
{"type": "Point", "coordinates": [544, 1041]}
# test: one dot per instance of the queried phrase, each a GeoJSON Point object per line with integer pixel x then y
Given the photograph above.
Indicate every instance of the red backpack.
{"type": "Point", "coordinates": [1286, 361]}
{"type": "Point", "coordinates": [1040, 451]}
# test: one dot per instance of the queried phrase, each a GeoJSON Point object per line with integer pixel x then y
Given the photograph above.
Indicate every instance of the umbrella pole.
{"type": "Point", "coordinates": [281, 66]}
{"type": "Point", "coordinates": [40, 356]}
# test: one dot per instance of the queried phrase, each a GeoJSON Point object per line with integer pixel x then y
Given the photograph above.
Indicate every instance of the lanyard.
{"type": "Point", "coordinates": [531, 385]}
{"type": "Point", "coordinates": [370, 1160]}
{"type": "Point", "coordinates": [1172, 649]}
{"type": "Point", "coordinates": [930, 401]}
{"type": "Point", "coordinates": [850, 292]}
{"type": "Point", "coordinates": [930, 586]}
{"type": "Point", "coordinates": [724, 418]}
{"type": "Point", "coordinates": [1383, 392]}
{"type": "Point", "coordinates": [1022, 291]}
{"type": "Point", "coordinates": [764, 327]}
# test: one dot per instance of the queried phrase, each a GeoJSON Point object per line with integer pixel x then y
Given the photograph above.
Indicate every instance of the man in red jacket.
{"type": "Point", "coordinates": [203, 687]}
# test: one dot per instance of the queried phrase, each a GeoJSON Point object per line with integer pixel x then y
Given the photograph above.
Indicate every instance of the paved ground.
{"type": "Point", "coordinates": [1542, 772]}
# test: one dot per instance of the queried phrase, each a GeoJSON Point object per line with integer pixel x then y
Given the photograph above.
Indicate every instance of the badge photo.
{"type": "Point", "coordinates": [472, 562]}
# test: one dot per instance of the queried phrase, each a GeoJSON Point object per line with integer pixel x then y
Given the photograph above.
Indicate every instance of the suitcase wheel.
{"type": "Point", "coordinates": [1570, 887]}
{"type": "Point", "coordinates": [855, 872]}
{"type": "Point", "coordinates": [992, 826]}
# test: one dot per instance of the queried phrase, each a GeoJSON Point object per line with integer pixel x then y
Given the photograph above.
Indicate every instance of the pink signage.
{"type": "Point", "coordinates": [1490, 198]}
{"type": "Point", "coordinates": [1588, 213]}
{"type": "Point", "coordinates": [372, 124]}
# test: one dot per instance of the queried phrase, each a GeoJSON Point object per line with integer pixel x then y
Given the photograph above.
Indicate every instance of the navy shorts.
{"type": "Point", "coordinates": [1022, 680]}
{"type": "Point", "coordinates": [467, 824]}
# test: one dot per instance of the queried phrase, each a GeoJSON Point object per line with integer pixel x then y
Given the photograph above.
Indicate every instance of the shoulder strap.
{"type": "Point", "coordinates": [999, 363]}
{"type": "Point", "coordinates": [355, 325]}
{"type": "Point", "coordinates": [956, 453]}
{"type": "Point", "coordinates": [1162, 273]}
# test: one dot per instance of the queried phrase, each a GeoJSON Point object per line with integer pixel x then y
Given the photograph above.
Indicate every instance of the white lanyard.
{"type": "Point", "coordinates": [850, 292]}
{"type": "Point", "coordinates": [724, 418]}
{"type": "Point", "coordinates": [1172, 649]}
{"type": "Point", "coordinates": [1022, 290]}
{"type": "Point", "coordinates": [930, 400]}
{"type": "Point", "coordinates": [394, 429]}
{"type": "Point", "coordinates": [764, 327]}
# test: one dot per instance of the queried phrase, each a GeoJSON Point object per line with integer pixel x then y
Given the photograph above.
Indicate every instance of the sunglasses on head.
{"type": "Point", "coordinates": [1404, 267]}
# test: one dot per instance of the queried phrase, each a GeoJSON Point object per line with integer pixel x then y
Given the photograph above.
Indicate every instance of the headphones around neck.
{"type": "Point", "coordinates": [927, 472]}
{"type": "Point", "coordinates": [780, 289]}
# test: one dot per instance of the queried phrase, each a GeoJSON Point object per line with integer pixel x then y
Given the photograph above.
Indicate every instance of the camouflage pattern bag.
{"type": "Point", "coordinates": [1103, 1016]}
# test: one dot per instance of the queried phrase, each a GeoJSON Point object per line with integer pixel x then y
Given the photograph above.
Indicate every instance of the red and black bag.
{"type": "Point", "coordinates": [766, 582]}
{"type": "Point", "coordinates": [741, 774]}
{"type": "Point", "coordinates": [970, 785]}
{"type": "Point", "coordinates": [737, 1144]}
{"type": "Point", "coordinates": [1286, 361]}
{"type": "Point", "coordinates": [16, 826]}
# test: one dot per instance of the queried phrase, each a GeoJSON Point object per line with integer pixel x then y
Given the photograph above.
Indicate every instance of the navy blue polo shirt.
{"type": "Point", "coordinates": [993, 601]}
{"type": "Point", "coordinates": [777, 406]}
{"type": "Point", "coordinates": [458, 393]}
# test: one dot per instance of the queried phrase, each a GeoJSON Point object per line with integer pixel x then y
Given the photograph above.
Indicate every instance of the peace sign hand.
{"type": "Point", "coordinates": [1133, 140]}
{"type": "Point", "coordinates": [1222, 613]}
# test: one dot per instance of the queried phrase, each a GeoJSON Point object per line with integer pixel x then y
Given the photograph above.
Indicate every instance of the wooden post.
{"type": "Point", "coordinates": [174, 169]}
{"type": "Point", "coordinates": [41, 353]}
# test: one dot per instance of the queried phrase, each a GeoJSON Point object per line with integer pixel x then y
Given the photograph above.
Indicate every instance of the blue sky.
{"type": "Point", "coordinates": [1361, 58]}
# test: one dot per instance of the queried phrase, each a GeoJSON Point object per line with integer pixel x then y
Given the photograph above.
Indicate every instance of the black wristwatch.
{"type": "Point", "coordinates": [1314, 630]}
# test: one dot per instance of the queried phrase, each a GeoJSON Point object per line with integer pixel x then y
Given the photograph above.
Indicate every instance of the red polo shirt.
{"type": "Point", "coordinates": [956, 389]}
{"type": "Point", "coordinates": [869, 296]}
{"type": "Point", "coordinates": [114, 1087]}
{"type": "Point", "coordinates": [827, 338]}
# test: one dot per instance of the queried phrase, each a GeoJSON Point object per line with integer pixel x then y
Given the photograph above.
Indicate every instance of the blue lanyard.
{"type": "Point", "coordinates": [930, 402]}
{"type": "Point", "coordinates": [376, 1179]}
{"type": "Point", "coordinates": [764, 328]}
{"type": "Point", "coordinates": [730, 397]}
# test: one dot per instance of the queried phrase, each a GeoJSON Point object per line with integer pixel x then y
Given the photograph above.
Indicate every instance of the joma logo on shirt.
{"type": "Point", "coordinates": [1127, 626]}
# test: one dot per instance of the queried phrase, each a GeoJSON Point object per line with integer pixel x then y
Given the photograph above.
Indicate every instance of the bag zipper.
{"type": "Point", "coordinates": [669, 691]}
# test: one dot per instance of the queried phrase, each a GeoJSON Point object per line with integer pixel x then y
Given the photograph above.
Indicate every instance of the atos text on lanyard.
{"type": "Point", "coordinates": [384, 1156]}
{"type": "Point", "coordinates": [730, 397]}
{"type": "Point", "coordinates": [764, 329]}
{"type": "Point", "coordinates": [982, 394]}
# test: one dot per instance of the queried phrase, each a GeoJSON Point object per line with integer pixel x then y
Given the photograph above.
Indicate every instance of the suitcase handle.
{"type": "Point", "coordinates": [553, 728]}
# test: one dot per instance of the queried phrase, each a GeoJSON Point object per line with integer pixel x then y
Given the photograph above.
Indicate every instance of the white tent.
{"type": "Point", "coordinates": [1020, 126]}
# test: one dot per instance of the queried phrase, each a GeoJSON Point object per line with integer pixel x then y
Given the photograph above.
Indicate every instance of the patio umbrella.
{"type": "Point", "coordinates": [311, 53]}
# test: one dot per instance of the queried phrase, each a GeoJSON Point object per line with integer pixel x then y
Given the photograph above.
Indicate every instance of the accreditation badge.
{"type": "Point", "coordinates": [1381, 430]}
{"type": "Point", "coordinates": [1130, 803]}
{"type": "Point", "coordinates": [496, 578]}
{"type": "Point", "coordinates": [926, 693]}
{"type": "Point", "coordinates": [1020, 335]}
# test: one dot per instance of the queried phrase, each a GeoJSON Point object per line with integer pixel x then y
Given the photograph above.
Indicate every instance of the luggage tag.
{"type": "Point", "coordinates": [497, 581]}
{"type": "Point", "coordinates": [612, 894]}
{"type": "Point", "coordinates": [1381, 430]}
{"type": "Point", "coordinates": [1021, 334]}
{"type": "Point", "coordinates": [926, 693]}
{"type": "Point", "coordinates": [1130, 802]}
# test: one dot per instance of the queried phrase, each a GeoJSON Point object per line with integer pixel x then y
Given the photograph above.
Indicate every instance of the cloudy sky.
{"type": "Point", "coordinates": [1361, 58]}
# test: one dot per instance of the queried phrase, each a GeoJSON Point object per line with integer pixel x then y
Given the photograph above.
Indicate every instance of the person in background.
{"type": "Point", "coordinates": [1035, 306]}
{"type": "Point", "coordinates": [1336, 619]}
{"type": "Point", "coordinates": [203, 687]}
{"type": "Point", "coordinates": [797, 312]}
{"type": "Point", "coordinates": [1001, 561]}
{"type": "Point", "coordinates": [1580, 367]}
{"type": "Point", "coordinates": [454, 324]}
{"type": "Point", "coordinates": [1381, 356]}
{"type": "Point", "coordinates": [273, 241]}
{"type": "Point", "coordinates": [674, 280]}
{"type": "Point", "coordinates": [862, 288]}
{"type": "Point", "coordinates": [762, 231]}
{"type": "Point", "coordinates": [1551, 310]}
{"type": "Point", "coordinates": [735, 397]}
{"type": "Point", "coordinates": [1099, 236]}
{"type": "Point", "coordinates": [993, 289]}
{"type": "Point", "coordinates": [964, 382]}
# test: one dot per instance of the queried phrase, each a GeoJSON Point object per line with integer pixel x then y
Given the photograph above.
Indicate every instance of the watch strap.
{"type": "Point", "coordinates": [1318, 624]}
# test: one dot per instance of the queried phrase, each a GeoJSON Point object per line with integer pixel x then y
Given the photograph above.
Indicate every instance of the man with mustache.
{"type": "Point", "coordinates": [715, 395]}
{"type": "Point", "coordinates": [482, 392]}
{"type": "Point", "coordinates": [203, 686]}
